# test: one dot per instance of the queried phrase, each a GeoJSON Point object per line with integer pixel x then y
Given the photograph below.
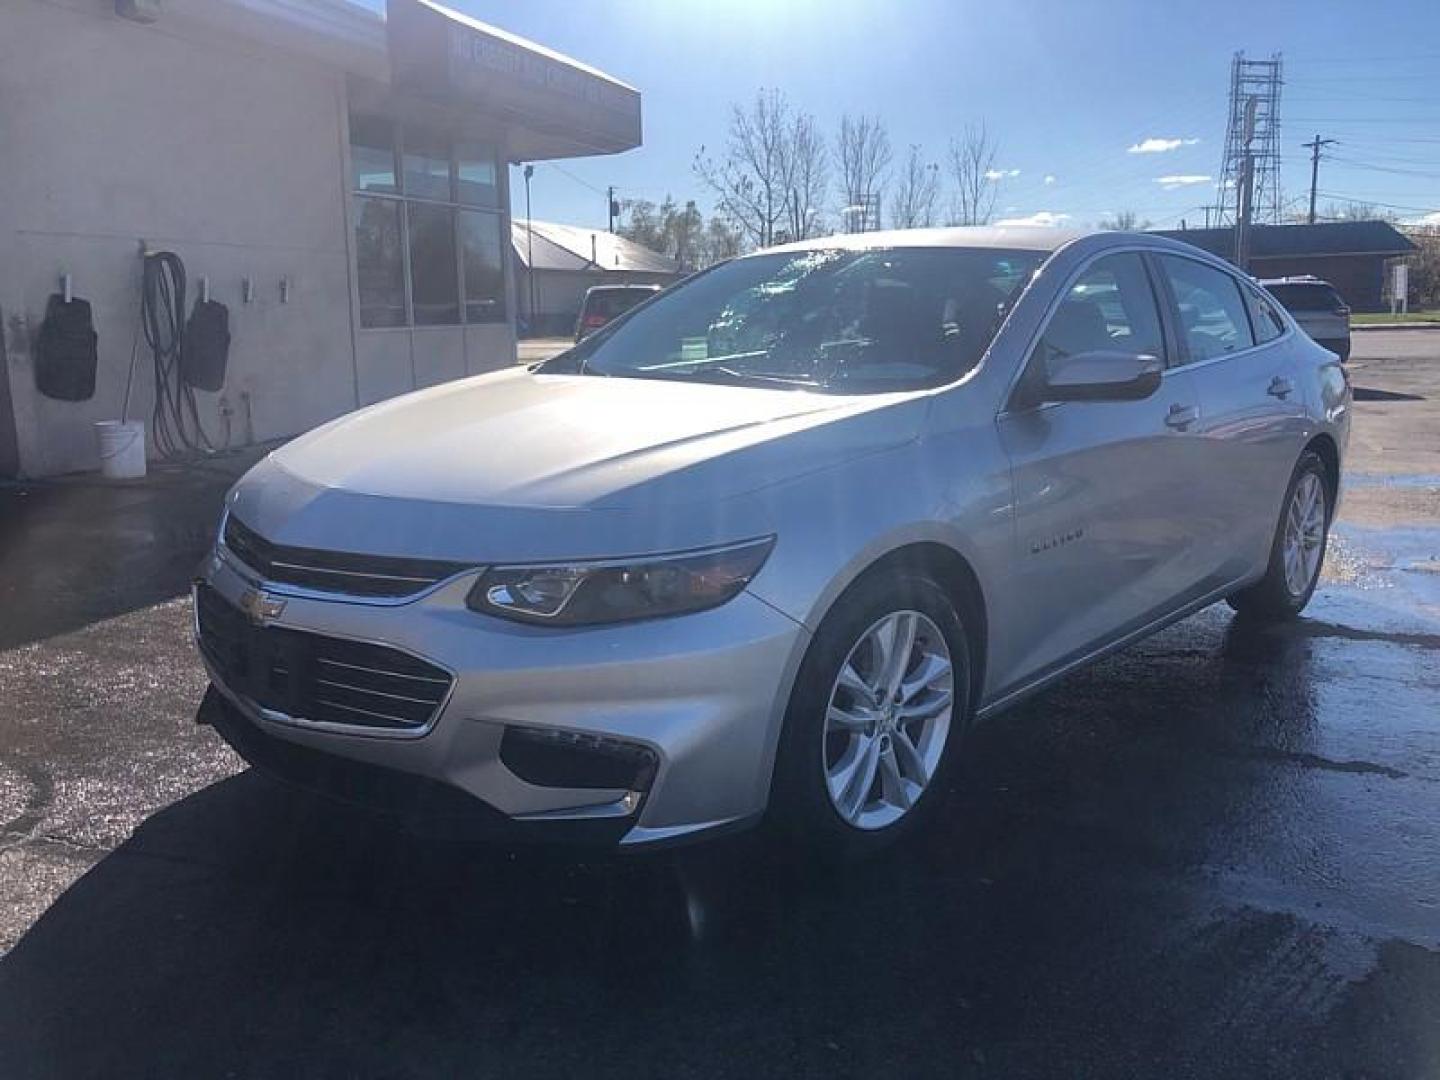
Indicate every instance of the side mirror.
{"type": "Point", "coordinates": [1102, 375]}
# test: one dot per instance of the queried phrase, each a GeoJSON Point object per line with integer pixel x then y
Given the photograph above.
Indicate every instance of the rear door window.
{"type": "Point", "coordinates": [1212, 319]}
{"type": "Point", "coordinates": [1265, 320]}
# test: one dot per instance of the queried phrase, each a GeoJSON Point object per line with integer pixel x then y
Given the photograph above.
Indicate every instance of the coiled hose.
{"type": "Point", "coordinates": [175, 421]}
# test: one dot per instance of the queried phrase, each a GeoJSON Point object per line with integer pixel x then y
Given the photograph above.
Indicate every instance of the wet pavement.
{"type": "Point", "coordinates": [1215, 854]}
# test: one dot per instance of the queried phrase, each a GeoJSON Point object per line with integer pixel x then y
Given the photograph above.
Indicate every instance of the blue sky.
{"type": "Point", "coordinates": [1067, 87]}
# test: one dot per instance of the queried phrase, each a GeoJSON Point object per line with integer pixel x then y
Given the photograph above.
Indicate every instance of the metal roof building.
{"type": "Point", "coordinates": [568, 260]}
{"type": "Point", "coordinates": [1351, 255]}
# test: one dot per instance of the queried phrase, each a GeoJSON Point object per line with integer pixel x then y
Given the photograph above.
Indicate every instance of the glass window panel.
{"type": "Point", "coordinates": [372, 154]}
{"type": "Point", "coordinates": [832, 320]}
{"type": "Point", "coordinates": [434, 280]}
{"type": "Point", "coordinates": [427, 164]}
{"type": "Point", "coordinates": [379, 271]}
{"type": "Point", "coordinates": [1264, 319]}
{"type": "Point", "coordinates": [1110, 307]}
{"type": "Point", "coordinates": [1213, 321]}
{"type": "Point", "coordinates": [476, 174]}
{"type": "Point", "coordinates": [484, 266]}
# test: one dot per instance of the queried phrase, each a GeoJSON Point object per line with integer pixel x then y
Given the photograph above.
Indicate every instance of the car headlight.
{"type": "Point", "coordinates": [574, 594]}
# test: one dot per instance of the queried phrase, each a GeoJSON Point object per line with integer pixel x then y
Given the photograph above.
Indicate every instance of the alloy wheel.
{"type": "Point", "coordinates": [888, 719]}
{"type": "Point", "coordinates": [1304, 534]}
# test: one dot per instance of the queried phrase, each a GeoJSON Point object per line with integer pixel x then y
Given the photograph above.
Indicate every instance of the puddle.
{"type": "Point", "coordinates": [1397, 568]}
{"type": "Point", "coordinates": [1392, 480]}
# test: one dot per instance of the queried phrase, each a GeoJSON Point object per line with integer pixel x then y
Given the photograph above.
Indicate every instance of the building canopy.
{"type": "Point", "coordinates": [555, 106]}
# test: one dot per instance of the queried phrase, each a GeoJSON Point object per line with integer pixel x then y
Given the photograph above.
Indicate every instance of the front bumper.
{"type": "Point", "coordinates": [704, 696]}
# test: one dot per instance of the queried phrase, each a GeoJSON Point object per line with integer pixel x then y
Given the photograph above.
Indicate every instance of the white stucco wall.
{"type": "Point", "coordinates": [229, 155]}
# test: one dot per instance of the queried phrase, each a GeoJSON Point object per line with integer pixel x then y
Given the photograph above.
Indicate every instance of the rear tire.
{"type": "Point", "coordinates": [872, 728]}
{"type": "Point", "coordinates": [1298, 550]}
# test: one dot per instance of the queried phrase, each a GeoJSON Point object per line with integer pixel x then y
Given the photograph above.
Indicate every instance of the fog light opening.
{"type": "Point", "coordinates": [550, 757]}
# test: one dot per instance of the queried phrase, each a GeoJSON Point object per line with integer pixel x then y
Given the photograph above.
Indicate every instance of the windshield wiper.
{"type": "Point", "coordinates": [705, 361]}
{"type": "Point", "coordinates": [762, 377]}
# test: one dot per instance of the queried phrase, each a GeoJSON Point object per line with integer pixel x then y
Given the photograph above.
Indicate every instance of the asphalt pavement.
{"type": "Point", "coordinates": [1214, 854]}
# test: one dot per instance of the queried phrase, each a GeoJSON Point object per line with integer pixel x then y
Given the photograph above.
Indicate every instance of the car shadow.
{"type": "Point", "coordinates": [1364, 393]}
{"type": "Point", "coordinates": [254, 930]}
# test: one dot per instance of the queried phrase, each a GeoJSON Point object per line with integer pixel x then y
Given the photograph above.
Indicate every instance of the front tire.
{"type": "Point", "coordinates": [878, 710]}
{"type": "Point", "coordinates": [1298, 550]}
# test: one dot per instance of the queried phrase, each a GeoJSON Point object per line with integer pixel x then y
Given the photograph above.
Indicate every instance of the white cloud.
{"type": "Point", "coordinates": [1045, 218]}
{"type": "Point", "coordinates": [1153, 145]}
{"type": "Point", "coordinates": [1428, 221]}
{"type": "Point", "coordinates": [1049, 179]}
{"type": "Point", "coordinates": [1170, 183]}
{"type": "Point", "coordinates": [1001, 174]}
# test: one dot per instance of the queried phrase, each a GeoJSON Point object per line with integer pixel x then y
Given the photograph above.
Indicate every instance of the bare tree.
{"type": "Point", "coordinates": [771, 179]}
{"type": "Point", "coordinates": [751, 180]}
{"type": "Point", "coordinates": [807, 168]}
{"type": "Point", "coordinates": [1124, 221]}
{"type": "Point", "coordinates": [972, 166]}
{"type": "Point", "coordinates": [1357, 211]}
{"type": "Point", "coordinates": [913, 205]}
{"type": "Point", "coordinates": [862, 151]}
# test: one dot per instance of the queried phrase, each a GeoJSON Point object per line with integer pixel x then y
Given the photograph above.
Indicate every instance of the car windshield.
{"type": "Point", "coordinates": [826, 320]}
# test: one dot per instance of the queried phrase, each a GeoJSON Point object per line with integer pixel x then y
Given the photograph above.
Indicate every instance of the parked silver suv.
{"type": "Point", "coordinates": [776, 540]}
{"type": "Point", "coordinates": [1318, 309]}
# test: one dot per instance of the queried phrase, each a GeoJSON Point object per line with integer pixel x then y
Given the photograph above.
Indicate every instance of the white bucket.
{"type": "Point", "coordinates": [122, 448]}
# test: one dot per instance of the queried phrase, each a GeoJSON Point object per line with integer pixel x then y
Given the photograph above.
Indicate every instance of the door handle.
{"type": "Point", "coordinates": [1280, 387]}
{"type": "Point", "coordinates": [1181, 417]}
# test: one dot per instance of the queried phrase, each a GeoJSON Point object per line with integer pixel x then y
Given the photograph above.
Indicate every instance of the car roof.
{"type": "Point", "coordinates": [1018, 237]}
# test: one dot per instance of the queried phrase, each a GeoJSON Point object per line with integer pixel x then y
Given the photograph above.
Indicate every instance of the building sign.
{"type": "Point", "coordinates": [442, 54]}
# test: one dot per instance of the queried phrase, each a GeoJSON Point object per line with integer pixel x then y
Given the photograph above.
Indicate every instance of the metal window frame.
{"type": "Point", "coordinates": [401, 196]}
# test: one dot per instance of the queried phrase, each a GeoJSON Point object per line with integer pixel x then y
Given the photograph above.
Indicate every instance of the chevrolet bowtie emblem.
{"type": "Point", "coordinates": [260, 607]}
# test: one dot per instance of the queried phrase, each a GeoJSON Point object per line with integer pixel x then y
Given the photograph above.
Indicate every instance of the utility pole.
{"type": "Point", "coordinates": [1314, 147]}
{"type": "Point", "coordinates": [1245, 195]}
{"type": "Point", "coordinates": [530, 246]}
{"type": "Point", "coordinates": [612, 206]}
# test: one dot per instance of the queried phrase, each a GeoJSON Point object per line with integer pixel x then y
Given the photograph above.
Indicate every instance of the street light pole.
{"type": "Point", "coordinates": [530, 246]}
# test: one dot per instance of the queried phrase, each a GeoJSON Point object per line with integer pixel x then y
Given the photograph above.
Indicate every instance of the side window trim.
{"type": "Point", "coordinates": [1177, 350]}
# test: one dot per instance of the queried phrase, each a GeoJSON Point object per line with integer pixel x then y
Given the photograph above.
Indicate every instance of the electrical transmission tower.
{"type": "Point", "coordinates": [1252, 141]}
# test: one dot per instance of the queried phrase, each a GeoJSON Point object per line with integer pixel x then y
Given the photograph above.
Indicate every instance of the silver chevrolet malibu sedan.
{"type": "Point", "coordinates": [772, 543]}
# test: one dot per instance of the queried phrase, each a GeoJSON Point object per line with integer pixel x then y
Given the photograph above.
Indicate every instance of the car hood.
{"type": "Point", "coordinates": [525, 459]}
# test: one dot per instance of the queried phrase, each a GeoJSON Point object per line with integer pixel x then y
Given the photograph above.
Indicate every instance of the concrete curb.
{"type": "Point", "coordinates": [1395, 326]}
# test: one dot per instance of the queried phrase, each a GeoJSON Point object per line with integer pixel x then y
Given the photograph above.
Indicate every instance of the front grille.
{"type": "Point", "coordinates": [334, 571]}
{"type": "Point", "coordinates": [316, 678]}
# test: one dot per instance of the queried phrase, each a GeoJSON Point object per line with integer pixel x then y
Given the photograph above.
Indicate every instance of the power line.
{"type": "Point", "coordinates": [1382, 205]}
{"type": "Point", "coordinates": [1352, 163]}
{"type": "Point", "coordinates": [566, 172]}
{"type": "Point", "coordinates": [1366, 119]}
